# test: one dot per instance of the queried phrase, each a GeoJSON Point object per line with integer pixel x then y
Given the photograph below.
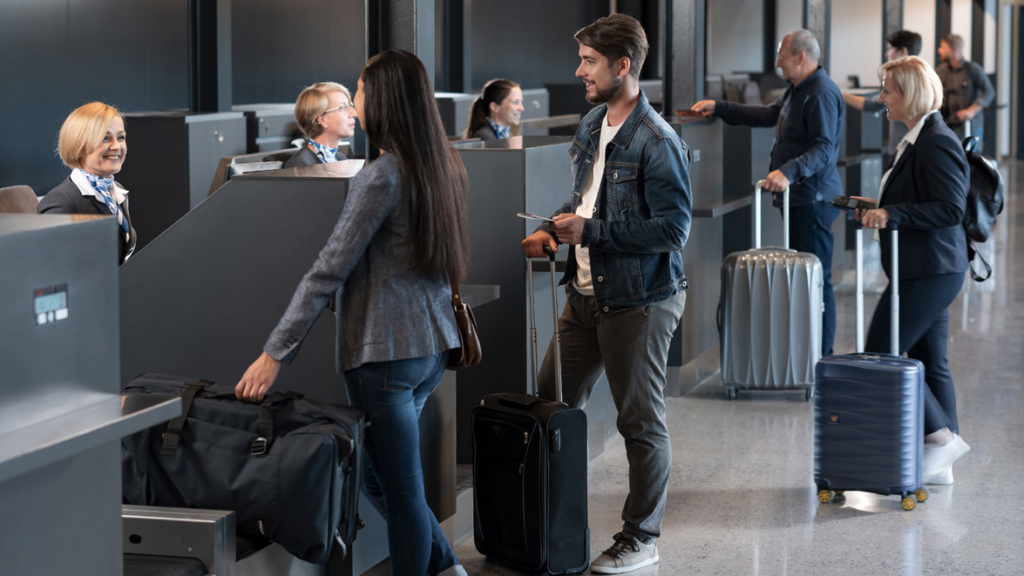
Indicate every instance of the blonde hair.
{"type": "Point", "coordinates": [83, 131]}
{"type": "Point", "coordinates": [916, 81]}
{"type": "Point", "coordinates": [312, 103]}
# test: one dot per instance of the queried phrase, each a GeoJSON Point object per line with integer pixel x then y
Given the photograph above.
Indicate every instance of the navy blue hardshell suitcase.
{"type": "Point", "coordinates": [530, 473]}
{"type": "Point", "coordinates": [869, 415]}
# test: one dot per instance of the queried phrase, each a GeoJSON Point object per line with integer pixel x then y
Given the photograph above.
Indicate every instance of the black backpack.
{"type": "Point", "coordinates": [984, 203]}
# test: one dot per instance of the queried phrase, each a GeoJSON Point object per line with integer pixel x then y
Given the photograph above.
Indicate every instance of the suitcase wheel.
{"type": "Point", "coordinates": [921, 495]}
{"type": "Point", "coordinates": [909, 503]}
{"type": "Point", "coordinates": [825, 496]}
{"type": "Point", "coordinates": [732, 393]}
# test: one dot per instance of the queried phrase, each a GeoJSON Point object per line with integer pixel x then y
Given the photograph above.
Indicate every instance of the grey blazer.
{"type": "Point", "coordinates": [385, 310]}
{"type": "Point", "coordinates": [306, 157]}
{"type": "Point", "coordinates": [66, 198]}
{"type": "Point", "coordinates": [485, 133]}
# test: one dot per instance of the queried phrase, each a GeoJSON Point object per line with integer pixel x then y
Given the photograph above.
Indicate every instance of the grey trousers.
{"type": "Point", "coordinates": [631, 346]}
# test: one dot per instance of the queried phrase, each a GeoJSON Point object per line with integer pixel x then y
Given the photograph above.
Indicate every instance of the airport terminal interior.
{"type": "Point", "coordinates": [107, 467]}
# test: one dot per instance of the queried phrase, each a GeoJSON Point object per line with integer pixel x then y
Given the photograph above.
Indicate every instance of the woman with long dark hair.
{"type": "Point", "coordinates": [402, 235]}
{"type": "Point", "coordinates": [496, 110]}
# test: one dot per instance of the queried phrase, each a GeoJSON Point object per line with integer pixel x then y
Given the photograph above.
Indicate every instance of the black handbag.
{"type": "Point", "coordinates": [289, 468]}
{"type": "Point", "coordinates": [984, 203]}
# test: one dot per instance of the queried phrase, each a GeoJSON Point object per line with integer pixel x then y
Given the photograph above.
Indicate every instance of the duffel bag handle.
{"type": "Point", "coordinates": [172, 435]}
{"type": "Point", "coordinates": [265, 421]}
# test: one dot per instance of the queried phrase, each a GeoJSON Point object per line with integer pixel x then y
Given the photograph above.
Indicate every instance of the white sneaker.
{"type": "Point", "coordinates": [937, 458]}
{"type": "Point", "coordinates": [626, 555]}
{"type": "Point", "coordinates": [943, 479]}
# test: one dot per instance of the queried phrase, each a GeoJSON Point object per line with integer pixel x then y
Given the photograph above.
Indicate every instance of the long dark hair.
{"type": "Point", "coordinates": [401, 118]}
{"type": "Point", "coordinates": [494, 91]}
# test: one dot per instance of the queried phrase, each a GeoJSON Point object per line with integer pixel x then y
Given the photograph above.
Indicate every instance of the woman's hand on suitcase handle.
{"type": "Point", "coordinates": [258, 378]}
{"type": "Point", "coordinates": [534, 244]}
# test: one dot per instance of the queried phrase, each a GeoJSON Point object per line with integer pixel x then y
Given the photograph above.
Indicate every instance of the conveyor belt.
{"type": "Point", "coordinates": [140, 565]}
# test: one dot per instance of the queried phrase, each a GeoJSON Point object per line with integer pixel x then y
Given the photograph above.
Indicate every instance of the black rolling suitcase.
{"type": "Point", "coordinates": [289, 468]}
{"type": "Point", "coordinates": [530, 473]}
{"type": "Point", "coordinates": [869, 413]}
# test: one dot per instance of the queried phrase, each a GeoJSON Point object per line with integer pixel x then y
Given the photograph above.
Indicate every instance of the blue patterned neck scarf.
{"type": "Point", "coordinates": [500, 132]}
{"type": "Point", "coordinates": [324, 153]}
{"type": "Point", "coordinates": [102, 187]}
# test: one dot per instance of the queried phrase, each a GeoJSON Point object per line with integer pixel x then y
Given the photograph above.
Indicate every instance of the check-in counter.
{"type": "Point", "coordinates": [454, 108]}
{"type": "Point", "coordinates": [536, 104]}
{"type": "Point", "coordinates": [269, 127]}
{"type": "Point", "coordinates": [174, 155]}
{"type": "Point", "coordinates": [61, 419]}
{"type": "Point", "coordinates": [520, 174]}
{"type": "Point", "coordinates": [702, 254]}
{"type": "Point", "coordinates": [202, 299]}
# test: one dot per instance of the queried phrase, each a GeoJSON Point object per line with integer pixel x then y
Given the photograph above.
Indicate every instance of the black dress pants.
{"type": "Point", "coordinates": [924, 331]}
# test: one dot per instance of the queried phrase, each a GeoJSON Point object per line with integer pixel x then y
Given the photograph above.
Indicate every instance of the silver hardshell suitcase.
{"type": "Point", "coordinates": [770, 314]}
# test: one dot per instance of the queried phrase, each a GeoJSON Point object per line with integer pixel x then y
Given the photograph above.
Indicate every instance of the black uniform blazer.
{"type": "Point", "coordinates": [306, 157]}
{"type": "Point", "coordinates": [66, 198]}
{"type": "Point", "coordinates": [485, 132]}
{"type": "Point", "coordinates": [926, 196]}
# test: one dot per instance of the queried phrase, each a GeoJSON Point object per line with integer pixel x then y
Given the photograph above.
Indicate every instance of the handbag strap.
{"type": "Point", "coordinates": [265, 421]}
{"type": "Point", "coordinates": [172, 435]}
{"type": "Point", "coordinates": [457, 304]}
{"type": "Point", "coordinates": [971, 253]}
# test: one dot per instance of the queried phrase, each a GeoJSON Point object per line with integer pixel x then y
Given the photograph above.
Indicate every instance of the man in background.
{"type": "Point", "coordinates": [967, 90]}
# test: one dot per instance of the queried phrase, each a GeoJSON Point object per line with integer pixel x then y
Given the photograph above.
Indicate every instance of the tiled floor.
{"type": "Point", "coordinates": [742, 498]}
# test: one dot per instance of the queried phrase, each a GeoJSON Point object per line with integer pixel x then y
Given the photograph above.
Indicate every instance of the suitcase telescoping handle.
{"type": "Point", "coordinates": [894, 311]}
{"type": "Point", "coordinates": [533, 325]}
{"type": "Point", "coordinates": [756, 218]}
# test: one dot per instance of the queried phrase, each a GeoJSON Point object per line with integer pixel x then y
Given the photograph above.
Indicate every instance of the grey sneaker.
{"type": "Point", "coordinates": [626, 555]}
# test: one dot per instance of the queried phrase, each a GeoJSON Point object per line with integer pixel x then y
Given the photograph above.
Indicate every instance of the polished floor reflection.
{"type": "Point", "coordinates": [742, 499]}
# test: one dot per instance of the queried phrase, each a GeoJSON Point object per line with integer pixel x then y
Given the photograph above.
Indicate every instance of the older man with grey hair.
{"type": "Point", "coordinates": [808, 120]}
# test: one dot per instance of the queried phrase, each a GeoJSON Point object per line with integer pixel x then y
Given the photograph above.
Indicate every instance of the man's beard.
{"type": "Point", "coordinates": [601, 96]}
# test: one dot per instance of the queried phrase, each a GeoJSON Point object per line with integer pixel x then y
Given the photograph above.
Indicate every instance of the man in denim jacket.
{"type": "Point", "coordinates": [625, 224]}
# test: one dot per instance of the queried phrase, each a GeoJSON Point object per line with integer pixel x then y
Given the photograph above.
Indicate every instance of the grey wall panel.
{"type": "Point", "coordinates": [509, 43]}
{"type": "Point", "coordinates": [59, 62]}
{"type": "Point", "coordinates": [202, 299]}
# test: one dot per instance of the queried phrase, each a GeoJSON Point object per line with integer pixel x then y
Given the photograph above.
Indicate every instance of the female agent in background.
{"type": "Point", "coordinates": [402, 235]}
{"type": "Point", "coordinates": [92, 143]}
{"type": "Point", "coordinates": [925, 194]}
{"type": "Point", "coordinates": [496, 110]}
{"type": "Point", "coordinates": [325, 115]}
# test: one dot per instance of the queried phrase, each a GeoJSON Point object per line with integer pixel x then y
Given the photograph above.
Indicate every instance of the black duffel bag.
{"type": "Point", "coordinates": [289, 468]}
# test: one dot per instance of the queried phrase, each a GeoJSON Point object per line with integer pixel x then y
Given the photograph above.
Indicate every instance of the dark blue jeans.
{"type": "Point", "coordinates": [393, 394]}
{"type": "Point", "coordinates": [810, 230]}
{"type": "Point", "coordinates": [924, 330]}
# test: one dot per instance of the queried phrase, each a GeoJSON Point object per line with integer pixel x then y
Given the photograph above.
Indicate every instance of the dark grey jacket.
{"type": "Point", "coordinates": [306, 157]}
{"type": "Point", "coordinates": [963, 87]}
{"type": "Point", "coordinates": [66, 198]}
{"type": "Point", "coordinates": [485, 133]}
{"type": "Point", "coordinates": [386, 311]}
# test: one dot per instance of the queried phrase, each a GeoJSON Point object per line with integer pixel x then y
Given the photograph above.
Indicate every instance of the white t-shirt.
{"type": "Point", "coordinates": [584, 283]}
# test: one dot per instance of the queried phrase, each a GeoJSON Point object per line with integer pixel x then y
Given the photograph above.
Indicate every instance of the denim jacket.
{"type": "Point", "coordinates": [637, 235]}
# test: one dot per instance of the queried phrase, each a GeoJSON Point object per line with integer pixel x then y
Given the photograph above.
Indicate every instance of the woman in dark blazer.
{"type": "Point", "coordinates": [496, 110]}
{"type": "Point", "coordinates": [325, 114]}
{"type": "Point", "coordinates": [925, 195]}
{"type": "Point", "coordinates": [92, 143]}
